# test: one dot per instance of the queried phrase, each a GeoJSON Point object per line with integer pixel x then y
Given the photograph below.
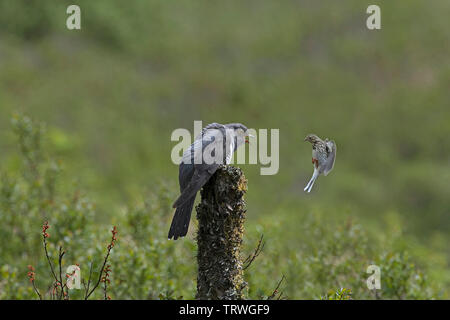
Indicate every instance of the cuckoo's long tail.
{"type": "Point", "coordinates": [181, 218]}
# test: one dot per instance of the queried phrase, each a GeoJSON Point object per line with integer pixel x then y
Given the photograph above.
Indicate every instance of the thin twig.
{"type": "Point", "coordinates": [45, 235]}
{"type": "Point", "coordinates": [89, 282]}
{"type": "Point", "coordinates": [104, 289]}
{"type": "Point", "coordinates": [61, 254]}
{"type": "Point", "coordinates": [280, 296]}
{"type": "Point", "coordinates": [36, 290]}
{"type": "Point", "coordinates": [84, 284]}
{"type": "Point", "coordinates": [110, 246]}
{"type": "Point", "coordinates": [274, 293]}
{"type": "Point", "coordinates": [256, 253]}
{"type": "Point", "coordinates": [48, 259]}
{"type": "Point", "coordinates": [100, 275]}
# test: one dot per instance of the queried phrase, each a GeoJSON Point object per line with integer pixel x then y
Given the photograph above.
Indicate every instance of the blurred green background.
{"type": "Point", "coordinates": [111, 94]}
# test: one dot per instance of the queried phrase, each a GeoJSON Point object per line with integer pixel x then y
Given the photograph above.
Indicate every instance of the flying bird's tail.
{"type": "Point", "coordinates": [311, 182]}
{"type": "Point", "coordinates": [181, 218]}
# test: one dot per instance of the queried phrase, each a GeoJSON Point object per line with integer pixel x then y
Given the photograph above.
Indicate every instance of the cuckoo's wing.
{"type": "Point", "coordinates": [211, 127]}
{"type": "Point", "coordinates": [201, 175]}
{"type": "Point", "coordinates": [210, 134]}
{"type": "Point", "coordinates": [331, 157]}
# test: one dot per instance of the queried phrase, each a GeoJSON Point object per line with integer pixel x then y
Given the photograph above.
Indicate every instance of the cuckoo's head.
{"type": "Point", "coordinates": [239, 131]}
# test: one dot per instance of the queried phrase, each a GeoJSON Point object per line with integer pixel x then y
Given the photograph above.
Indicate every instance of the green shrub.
{"type": "Point", "coordinates": [315, 256]}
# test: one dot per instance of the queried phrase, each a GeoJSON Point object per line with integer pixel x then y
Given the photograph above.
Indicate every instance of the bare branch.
{"type": "Point", "coordinates": [36, 290]}
{"type": "Point", "coordinates": [89, 282]}
{"type": "Point", "coordinates": [275, 292]}
{"type": "Point", "coordinates": [49, 261]}
{"type": "Point", "coordinates": [110, 246]}
{"type": "Point", "coordinates": [61, 254]}
{"type": "Point", "coordinates": [100, 274]}
{"type": "Point", "coordinates": [249, 260]}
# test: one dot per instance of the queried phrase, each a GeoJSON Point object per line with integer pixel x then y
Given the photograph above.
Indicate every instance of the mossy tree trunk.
{"type": "Point", "coordinates": [221, 216]}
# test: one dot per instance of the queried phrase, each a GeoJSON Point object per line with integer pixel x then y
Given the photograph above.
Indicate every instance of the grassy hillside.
{"type": "Point", "coordinates": [111, 94]}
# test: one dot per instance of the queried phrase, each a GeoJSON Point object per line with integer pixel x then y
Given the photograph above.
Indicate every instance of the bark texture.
{"type": "Point", "coordinates": [221, 215]}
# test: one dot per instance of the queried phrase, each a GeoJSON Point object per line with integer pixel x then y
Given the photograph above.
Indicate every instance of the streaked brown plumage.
{"type": "Point", "coordinates": [323, 157]}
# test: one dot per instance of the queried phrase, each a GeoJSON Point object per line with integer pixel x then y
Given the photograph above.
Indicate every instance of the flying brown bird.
{"type": "Point", "coordinates": [323, 157]}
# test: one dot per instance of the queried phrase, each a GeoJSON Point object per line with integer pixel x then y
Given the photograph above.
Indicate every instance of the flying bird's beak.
{"type": "Point", "coordinates": [306, 139]}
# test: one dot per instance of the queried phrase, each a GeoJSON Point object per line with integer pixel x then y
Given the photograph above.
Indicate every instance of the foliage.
{"type": "Point", "coordinates": [111, 94]}
{"type": "Point", "coordinates": [340, 294]}
{"type": "Point", "coordinates": [144, 265]}
{"type": "Point", "coordinates": [323, 255]}
{"type": "Point", "coordinates": [148, 263]}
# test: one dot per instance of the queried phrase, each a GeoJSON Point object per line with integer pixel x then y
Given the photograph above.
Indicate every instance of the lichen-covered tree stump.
{"type": "Point", "coordinates": [221, 216]}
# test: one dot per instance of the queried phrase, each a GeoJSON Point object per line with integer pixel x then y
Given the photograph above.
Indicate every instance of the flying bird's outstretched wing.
{"type": "Point", "coordinates": [331, 156]}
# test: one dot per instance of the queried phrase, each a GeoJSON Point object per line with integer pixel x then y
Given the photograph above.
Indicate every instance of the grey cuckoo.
{"type": "Point", "coordinates": [212, 148]}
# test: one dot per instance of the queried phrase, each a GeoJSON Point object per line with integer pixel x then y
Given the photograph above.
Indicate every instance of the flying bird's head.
{"type": "Point", "coordinates": [239, 131]}
{"type": "Point", "coordinates": [312, 138]}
